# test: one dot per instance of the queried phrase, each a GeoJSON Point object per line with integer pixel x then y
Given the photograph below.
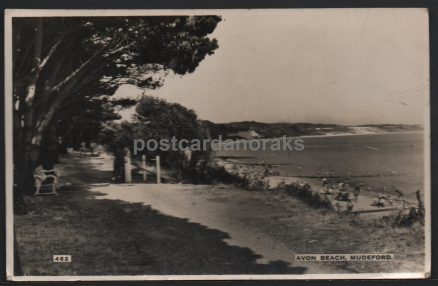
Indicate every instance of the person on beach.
{"type": "Point", "coordinates": [357, 191]}
{"type": "Point", "coordinates": [350, 206]}
{"type": "Point", "coordinates": [389, 200]}
{"type": "Point", "coordinates": [330, 189]}
{"type": "Point", "coordinates": [379, 201]}
{"type": "Point", "coordinates": [399, 193]}
{"type": "Point", "coordinates": [343, 186]}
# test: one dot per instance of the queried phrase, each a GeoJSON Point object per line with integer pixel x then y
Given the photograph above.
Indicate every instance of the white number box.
{"type": "Point", "coordinates": [61, 258]}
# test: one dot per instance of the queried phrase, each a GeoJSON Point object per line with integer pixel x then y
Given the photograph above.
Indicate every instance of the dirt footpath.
{"type": "Point", "coordinates": [252, 220]}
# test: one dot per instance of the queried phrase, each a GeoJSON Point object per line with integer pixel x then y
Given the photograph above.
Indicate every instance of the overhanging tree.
{"type": "Point", "coordinates": [59, 62]}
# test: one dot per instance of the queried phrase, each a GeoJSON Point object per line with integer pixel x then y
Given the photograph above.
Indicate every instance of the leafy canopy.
{"type": "Point", "coordinates": [58, 61]}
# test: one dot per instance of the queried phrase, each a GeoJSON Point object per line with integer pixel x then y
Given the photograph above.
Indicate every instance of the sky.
{"type": "Point", "coordinates": [343, 66]}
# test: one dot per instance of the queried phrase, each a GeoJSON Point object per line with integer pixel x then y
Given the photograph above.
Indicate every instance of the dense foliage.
{"type": "Point", "coordinates": [157, 119]}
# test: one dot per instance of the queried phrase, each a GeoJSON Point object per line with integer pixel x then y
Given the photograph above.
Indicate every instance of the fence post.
{"type": "Point", "coordinates": [128, 174]}
{"type": "Point", "coordinates": [158, 170]}
{"type": "Point", "coordinates": [143, 166]}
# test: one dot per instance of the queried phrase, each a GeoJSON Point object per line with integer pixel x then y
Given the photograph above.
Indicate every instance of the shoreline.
{"type": "Point", "coordinates": [328, 135]}
{"type": "Point", "coordinates": [358, 134]}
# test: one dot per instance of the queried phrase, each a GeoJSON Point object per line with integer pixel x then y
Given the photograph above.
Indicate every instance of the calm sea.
{"type": "Point", "coordinates": [377, 160]}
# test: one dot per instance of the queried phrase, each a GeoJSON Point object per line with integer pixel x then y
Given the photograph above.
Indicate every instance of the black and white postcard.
{"type": "Point", "coordinates": [217, 144]}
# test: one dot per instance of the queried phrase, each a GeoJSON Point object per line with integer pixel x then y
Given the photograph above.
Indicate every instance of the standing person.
{"type": "Point", "coordinates": [350, 206]}
{"type": "Point", "coordinates": [357, 191]}
{"type": "Point", "coordinates": [49, 152]}
{"type": "Point", "coordinates": [346, 185]}
{"type": "Point", "coordinates": [62, 149]}
{"type": "Point", "coordinates": [83, 148]}
{"type": "Point", "coordinates": [119, 165]}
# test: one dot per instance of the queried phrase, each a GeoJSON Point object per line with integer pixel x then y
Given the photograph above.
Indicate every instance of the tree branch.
{"type": "Point", "coordinates": [37, 60]}
{"type": "Point", "coordinates": [49, 55]}
{"type": "Point", "coordinates": [118, 50]}
{"type": "Point", "coordinates": [77, 71]}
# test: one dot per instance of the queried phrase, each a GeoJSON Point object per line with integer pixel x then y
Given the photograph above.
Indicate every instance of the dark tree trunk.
{"type": "Point", "coordinates": [23, 179]}
{"type": "Point", "coordinates": [26, 157]}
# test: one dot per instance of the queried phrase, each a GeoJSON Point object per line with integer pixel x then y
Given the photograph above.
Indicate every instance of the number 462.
{"type": "Point", "coordinates": [61, 258]}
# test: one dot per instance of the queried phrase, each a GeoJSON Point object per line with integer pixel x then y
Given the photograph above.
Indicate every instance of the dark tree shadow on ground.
{"type": "Point", "coordinates": [109, 237]}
